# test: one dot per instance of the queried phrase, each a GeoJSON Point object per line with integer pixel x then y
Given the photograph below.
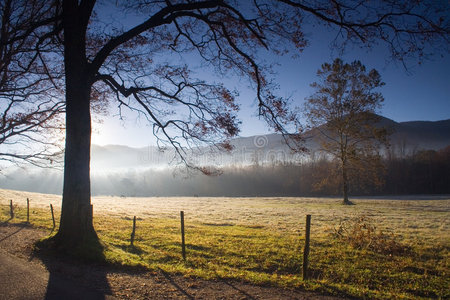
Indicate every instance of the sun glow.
{"type": "Point", "coordinates": [99, 136]}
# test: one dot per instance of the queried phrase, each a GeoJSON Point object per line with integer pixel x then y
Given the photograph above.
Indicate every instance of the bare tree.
{"type": "Point", "coordinates": [342, 111]}
{"type": "Point", "coordinates": [31, 101]}
{"type": "Point", "coordinates": [130, 50]}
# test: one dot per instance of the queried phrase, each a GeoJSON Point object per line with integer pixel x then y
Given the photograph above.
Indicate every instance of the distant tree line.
{"type": "Point", "coordinates": [423, 172]}
{"type": "Point", "coordinates": [420, 172]}
{"type": "Point", "coordinates": [415, 172]}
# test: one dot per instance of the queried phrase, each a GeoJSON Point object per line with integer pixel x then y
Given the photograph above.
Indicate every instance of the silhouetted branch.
{"type": "Point", "coordinates": [30, 83]}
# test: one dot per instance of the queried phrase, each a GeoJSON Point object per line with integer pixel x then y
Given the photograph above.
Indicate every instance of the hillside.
{"type": "Point", "coordinates": [407, 137]}
{"type": "Point", "coordinates": [422, 134]}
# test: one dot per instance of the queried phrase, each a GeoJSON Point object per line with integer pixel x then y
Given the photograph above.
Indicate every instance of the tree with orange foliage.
{"type": "Point", "coordinates": [342, 110]}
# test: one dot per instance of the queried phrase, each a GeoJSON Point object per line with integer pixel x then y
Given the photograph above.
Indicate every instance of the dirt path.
{"type": "Point", "coordinates": [22, 279]}
{"type": "Point", "coordinates": [23, 276]}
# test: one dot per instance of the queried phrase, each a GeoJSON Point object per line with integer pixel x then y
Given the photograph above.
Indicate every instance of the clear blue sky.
{"type": "Point", "coordinates": [420, 93]}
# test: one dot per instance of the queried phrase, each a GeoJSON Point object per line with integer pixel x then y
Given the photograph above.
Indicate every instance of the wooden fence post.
{"type": "Point", "coordinates": [11, 209]}
{"type": "Point", "coordinates": [183, 245]}
{"type": "Point", "coordinates": [28, 210]}
{"type": "Point", "coordinates": [133, 232]}
{"type": "Point", "coordinates": [53, 216]}
{"type": "Point", "coordinates": [306, 250]}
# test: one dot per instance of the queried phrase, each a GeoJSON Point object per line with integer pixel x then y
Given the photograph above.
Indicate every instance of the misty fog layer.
{"type": "Point", "coordinates": [416, 162]}
{"type": "Point", "coordinates": [424, 172]}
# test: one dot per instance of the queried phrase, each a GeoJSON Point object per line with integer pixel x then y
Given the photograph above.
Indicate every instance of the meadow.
{"type": "Point", "coordinates": [379, 248]}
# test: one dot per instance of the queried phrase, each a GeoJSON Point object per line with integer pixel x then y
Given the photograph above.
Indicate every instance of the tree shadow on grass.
{"type": "Point", "coordinates": [4, 223]}
{"type": "Point", "coordinates": [332, 290]}
{"type": "Point", "coordinates": [130, 248]}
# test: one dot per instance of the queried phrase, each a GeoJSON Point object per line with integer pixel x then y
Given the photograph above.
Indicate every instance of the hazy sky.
{"type": "Point", "coordinates": [420, 93]}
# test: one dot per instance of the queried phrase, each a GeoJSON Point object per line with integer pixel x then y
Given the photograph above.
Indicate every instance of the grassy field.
{"type": "Point", "coordinates": [378, 248]}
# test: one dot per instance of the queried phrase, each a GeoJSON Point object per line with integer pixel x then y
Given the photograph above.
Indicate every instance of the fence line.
{"type": "Point", "coordinates": [306, 250]}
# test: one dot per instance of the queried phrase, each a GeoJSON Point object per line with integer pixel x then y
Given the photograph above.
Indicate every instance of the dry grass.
{"type": "Point", "coordinates": [403, 252]}
{"type": "Point", "coordinates": [411, 219]}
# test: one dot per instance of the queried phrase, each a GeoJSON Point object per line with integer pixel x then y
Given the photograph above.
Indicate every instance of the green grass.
{"type": "Point", "coordinates": [409, 260]}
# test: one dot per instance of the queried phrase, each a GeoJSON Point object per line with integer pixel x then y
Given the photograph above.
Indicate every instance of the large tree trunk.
{"type": "Point", "coordinates": [76, 228]}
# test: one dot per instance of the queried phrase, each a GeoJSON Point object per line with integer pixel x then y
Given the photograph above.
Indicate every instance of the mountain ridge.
{"type": "Point", "coordinates": [406, 138]}
{"type": "Point", "coordinates": [419, 124]}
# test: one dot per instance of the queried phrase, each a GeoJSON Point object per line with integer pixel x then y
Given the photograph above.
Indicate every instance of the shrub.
{"type": "Point", "coordinates": [361, 233]}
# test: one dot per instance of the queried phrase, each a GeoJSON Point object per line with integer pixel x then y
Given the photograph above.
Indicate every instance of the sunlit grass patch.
{"type": "Point", "coordinates": [390, 249]}
{"type": "Point", "coordinates": [263, 256]}
{"type": "Point", "coordinates": [38, 217]}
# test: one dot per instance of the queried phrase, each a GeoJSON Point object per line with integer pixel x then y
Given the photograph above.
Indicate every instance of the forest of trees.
{"type": "Point", "coordinates": [421, 172]}
{"type": "Point", "coordinates": [417, 172]}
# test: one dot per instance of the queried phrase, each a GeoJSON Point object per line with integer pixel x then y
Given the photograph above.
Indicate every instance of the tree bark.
{"type": "Point", "coordinates": [76, 227]}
